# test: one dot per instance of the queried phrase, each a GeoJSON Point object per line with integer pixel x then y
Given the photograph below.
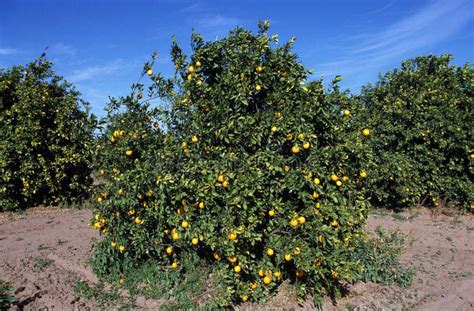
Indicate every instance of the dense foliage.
{"type": "Point", "coordinates": [421, 116]}
{"type": "Point", "coordinates": [45, 138]}
{"type": "Point", "coordinates": [252, 168]}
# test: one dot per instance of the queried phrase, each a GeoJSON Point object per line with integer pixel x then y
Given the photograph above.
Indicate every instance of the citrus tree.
{"type": "Point", "coordinates": [254, 169]}
{"type": "Point", "coordinates": [421, 116]}
{"type": "Point", "coordinates": [45, 138]}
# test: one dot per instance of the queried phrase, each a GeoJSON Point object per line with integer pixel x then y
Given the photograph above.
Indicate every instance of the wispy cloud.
{"type": "Point", "coordinates": [382, 9]}
{"type": "Point", "coordinates": [63, 49]}
{"type": "Point", "coordinates": [8, 51]}
{"type": "Point", "coordinates": [219, 21]}
{"type": "Point", "coordinates": [429, 25]}
{"type": "Point", "coordinates": [94, 71]}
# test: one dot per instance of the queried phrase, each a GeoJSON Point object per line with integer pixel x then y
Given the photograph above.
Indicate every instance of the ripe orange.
{"type": "Point", "coordinates": [169, 250]}
{"type": "Point", "coordinates": [258, 87]}
{"type": "Point", "coordinates": [334, 178]}
{"type": "Point", "coordinates": [295, 149]}
{"type": "Point", "coordinates": [271, 213]}
{"type": "Point", "coordinates": [267, 280]}
{"type": "Point", "coordinates": [294, 223]}
{"type": "Point", "coordinates": [174, 265]}
{"type": "Point", "coordinates": [195, 241]}
{"type": "Point", "coordinates": [347, 112]}
{"type": "Point", "coordinates": [232, 236]}
{"type": "Point", "coordinates": [149, 72]}
{"type": "Point", "coordinates": [184, 224]}
{"type": "Point", "coordinates": [237, 269]}
{"type": "Point", "coordinates": [191, 69]}
{"type": "Point", "coordinates": [363, 174]}
{"type": "Point", "coordinates": [270, 252]}
{"type": "Point", "coordinates": [301, 220]}
{"type": "Point", "coordinates": [287, 257]}
{"type": "Point", "coordinates": [221, 178]}
{"type": "Point", "coordinates": [317, 181]}
{"type": "Point", "coordinates": [198, 64]}
{"type": "Point", "coordinates": [366, 132]}
{"type": "Point", "coordinates": [299, 273]}
{"type": "Point", "coordinates": [297, 251]}
{"type": "Point", "coordinates": [306, 145]}
{"type": "Point", "coordinates": [194, 139]}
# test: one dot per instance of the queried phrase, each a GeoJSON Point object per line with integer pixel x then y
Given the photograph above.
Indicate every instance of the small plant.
{"type": "Point", "coordinates": [6, 295]}
{"type": "Point", "coordinates": [41, 263]}
{"type": "Point", "coordinates": [380, 257]}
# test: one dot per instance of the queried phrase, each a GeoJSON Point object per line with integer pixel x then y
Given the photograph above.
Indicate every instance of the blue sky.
{"type": "Point", "coordinates": [101, 45]}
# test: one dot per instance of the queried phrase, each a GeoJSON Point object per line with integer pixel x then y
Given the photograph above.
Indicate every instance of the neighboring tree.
{"type": "Point", "coordinates": [421, 117]}
{"type": "Point", "coordinates": [45, 138]}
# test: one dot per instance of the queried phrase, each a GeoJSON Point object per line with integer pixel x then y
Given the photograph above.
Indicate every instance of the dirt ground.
{"type": "Point", "coordinates": [43, 251]}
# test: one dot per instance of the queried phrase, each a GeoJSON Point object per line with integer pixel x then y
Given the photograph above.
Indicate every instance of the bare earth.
{"type": "Point", "coordinates": [43, 251]}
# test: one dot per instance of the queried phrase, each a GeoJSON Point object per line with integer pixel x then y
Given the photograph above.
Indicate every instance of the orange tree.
{"type": "Point", "coordinates": [421, 118]}
{"type": "Point", "coordinates": [45, 138]}
{"type": "Point", "coordinates": [256, 171]}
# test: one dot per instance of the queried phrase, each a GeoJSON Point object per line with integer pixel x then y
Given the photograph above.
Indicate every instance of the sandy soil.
{"type": "Point", "coordinates": [43, 251]}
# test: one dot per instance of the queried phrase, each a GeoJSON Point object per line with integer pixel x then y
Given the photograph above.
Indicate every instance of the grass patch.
{"type": "Point", "coordinates": [104, 297]}
{"type": "Point", "coordinates": [380, 257]}
{"type": "Point", "coordinates": [6, 295]}
{"type": "Point", "coordinates": [190, 286]}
